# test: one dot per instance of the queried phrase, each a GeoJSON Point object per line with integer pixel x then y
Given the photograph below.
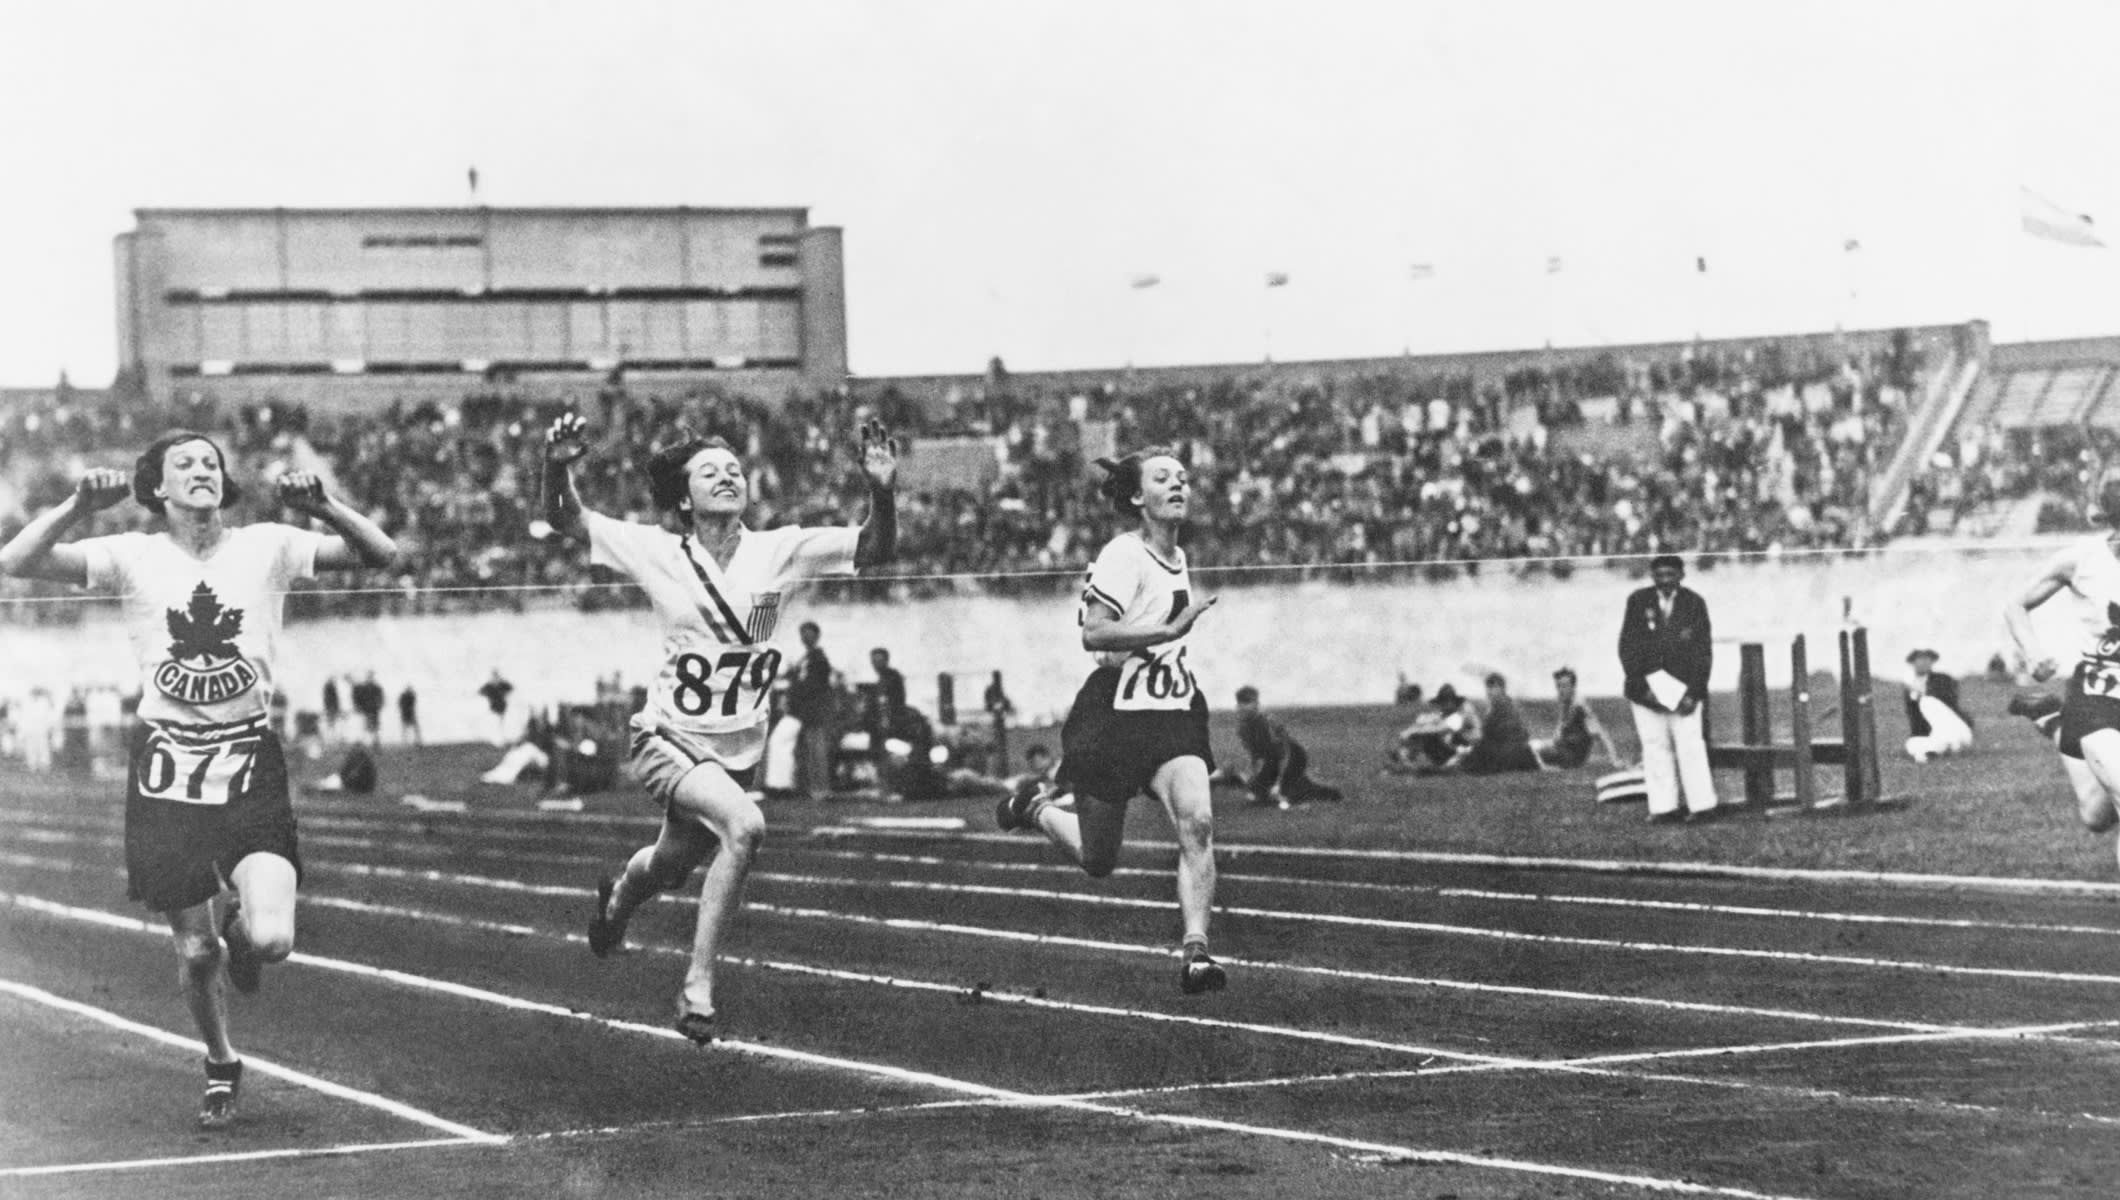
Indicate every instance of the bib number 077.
{"type": "Point", "coordinates": [213, 774]}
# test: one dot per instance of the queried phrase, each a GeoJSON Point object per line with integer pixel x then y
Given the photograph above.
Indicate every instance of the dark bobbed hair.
{"type": "Point", "coordinates": [1122, 477]}
{"type": "Point", "coordinates": [666, 467]}
{"type": "Point", "coordinates": [1667, 560]}
{"type": "Point", "coordinates": [147, 470]}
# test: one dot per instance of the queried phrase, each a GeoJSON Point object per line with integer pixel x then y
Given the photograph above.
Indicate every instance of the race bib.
{"type": "Point", "coordinates": [722, 690]}
{"type": "Point", "coordinates": [2101, 677]}
{"type": "Point", "coordinates": [1155, 681]}
{"type": "Point", "coordinates": [188, 773]}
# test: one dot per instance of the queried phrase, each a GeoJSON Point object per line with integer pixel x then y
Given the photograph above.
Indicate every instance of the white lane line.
{"type": "Point", "coordinates": [1462, 893]}
{"type": "Point", "coordinates": [1384, 923]}
{"type": "Point", "coordinates": [1030, 938]}
{"type": "Point", "coordinates": [345, 817]}
{"type": "Point", "coordinates": [1598, 1065]}
{"type": "Point", "coordinates": [1687, 870]}
{"type": "Point", "coordinates": [260, 1066]}
{"type": "Point", "coordinates": [207, 1160]}
{"type": "Point", "coordinates": [963, 1087]}
{"type": "Point", "coordinates": [1401, 926]}
{"type": "Point", "coordinates": [1958, 924]}
{"type": "Point", "coordinates": [1601, 1065]}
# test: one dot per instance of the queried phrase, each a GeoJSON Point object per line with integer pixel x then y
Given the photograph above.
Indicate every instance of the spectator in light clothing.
{"type": "Point", "coordinates": [1938, 725]}
{"type": "Point", "coordinates": [1665, 651]}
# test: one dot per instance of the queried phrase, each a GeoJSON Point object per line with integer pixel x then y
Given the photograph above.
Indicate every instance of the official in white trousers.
{"type": "Point", "coordinates": [1675, 769]}
{"type": "Point", "coordinates": [1666, 651]}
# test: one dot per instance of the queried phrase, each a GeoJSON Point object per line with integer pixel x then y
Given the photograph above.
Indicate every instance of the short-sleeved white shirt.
{"type": "Point", "coordinates": [717, 661]}
{"type": "Point", "coordinates": [2094, 578]}
{"type": "Point", "coordinates": [206, 632]}
{"type": "Point", "coordinates": [1143, 590]}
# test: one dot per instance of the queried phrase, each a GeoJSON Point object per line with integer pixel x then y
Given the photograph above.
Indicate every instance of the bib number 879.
{"type": "Point", "coordinates": [733, 672]}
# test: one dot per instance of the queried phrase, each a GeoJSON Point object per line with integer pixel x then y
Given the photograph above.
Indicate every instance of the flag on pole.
{"type": "Point", "coordinates": [1421, 271]}
{"type": "Point", "coordinates": [1553, 264]}
{"type": "Point", "coordinates": [1276, 279]}
{"type": "Point", "coordinates": [2046, 219]}
{"type": "Point", "coordinates": [472, 173]}
{"type": "Point", "coordinates": [1850, 246]}
{"type": "Point", "coordinates": [1144, 281]}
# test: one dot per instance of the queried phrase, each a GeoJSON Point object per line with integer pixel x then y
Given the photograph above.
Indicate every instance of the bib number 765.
{"type": "Point", "coordinates": [209, 774]}
{"type": "Point", "coordinates": [1155, 681]}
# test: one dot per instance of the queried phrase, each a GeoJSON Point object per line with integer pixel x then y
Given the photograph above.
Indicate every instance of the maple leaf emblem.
{"type": "Point", "coordinates": [204, 629]}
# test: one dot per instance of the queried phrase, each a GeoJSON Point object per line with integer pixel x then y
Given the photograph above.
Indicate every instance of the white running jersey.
{"type": "Point", "coordinates": [205, 632]}
{"type": "Point", "coordinates": [1143, 591]}
{"type": "Point", "coordinates": [2094, 577]}
{"type": "Point", "coordinates": [718, 666]}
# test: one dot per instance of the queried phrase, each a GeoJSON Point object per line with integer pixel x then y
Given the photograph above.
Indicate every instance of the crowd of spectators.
{"type": "Point", "coordinates": [1988, 468]}
{"type": "Point", "coordinates": [1708, 449]}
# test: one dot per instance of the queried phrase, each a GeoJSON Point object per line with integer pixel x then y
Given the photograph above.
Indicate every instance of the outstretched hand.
{"type": "Point", "coordinates": [100, 488]}
{"type": "Point", "coordinates": [879, 455]}
{"type": "Point", "coordinates": [567, 439]}
{"type": "Point", "coordinates": [1193, 612]}
{"type": "Point", "coordinates": [304, 492]}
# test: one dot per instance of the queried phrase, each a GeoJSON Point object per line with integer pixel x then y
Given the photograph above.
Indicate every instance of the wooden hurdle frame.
{"type": "Point", "coordinates": [1759, 756]}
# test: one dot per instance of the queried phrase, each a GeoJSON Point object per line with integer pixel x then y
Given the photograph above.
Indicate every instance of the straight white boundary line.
{"type": "Point", "coordinates": [978, 1090]}
{"type": "Point", "coordinates": [1030, 938]}
{"type": "Point", "coordinates": [799, 850]}
{"type": "Point", "coordinates": [1601, 1065]}
{"type": "Point", "coordinates": [1504, 935]}
{"type": "Point", "coordinates": [261, 1066]}
{"type": "Point", "coordinates": [207, 1160]}
{"type": "Point", "coordinates": [1683, 870]}
{"type": "Point", "coordinates": [329, 816]}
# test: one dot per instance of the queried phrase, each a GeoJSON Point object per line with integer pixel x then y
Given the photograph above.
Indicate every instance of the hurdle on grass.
{"type": "Point", "coordinates": [1760, 756]}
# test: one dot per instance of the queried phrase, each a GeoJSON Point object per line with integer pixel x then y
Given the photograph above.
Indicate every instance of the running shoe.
{"type": "Point", "coordinates": [1020, 810]}
{"type": "Point", "coordinates": [605, 934]}
{"type": "Point", "coordinates": [245, 968]}
{"type": "Point", "coordinates": [217, 1108]}
{"type": "Point", "coordinates": [2034, 705]}
{"type": "Point", "coordinates": [1199, 973]}
{"type": "Point", "coordinates": [698, 1028]}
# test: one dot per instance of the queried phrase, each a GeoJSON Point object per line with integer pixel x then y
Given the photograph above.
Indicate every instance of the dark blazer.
{"type": "Point", "coordinates": [1682, 646]}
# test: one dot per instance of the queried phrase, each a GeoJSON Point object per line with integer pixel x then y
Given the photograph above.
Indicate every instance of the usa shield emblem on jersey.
{"type": "Point", "coordinates": [765, 614]}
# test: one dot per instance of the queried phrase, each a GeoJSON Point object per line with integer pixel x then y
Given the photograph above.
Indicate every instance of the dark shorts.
{"type": "Point", "coordinates": [177, 854]}
{"type": "Point", "coordinates": [1112, 755]}
{"type": "Point", "coordinates": [2082, 714]}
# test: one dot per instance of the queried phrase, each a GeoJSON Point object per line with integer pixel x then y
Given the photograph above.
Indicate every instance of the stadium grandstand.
{"type": "Point", "coordinates": [1434, 464]}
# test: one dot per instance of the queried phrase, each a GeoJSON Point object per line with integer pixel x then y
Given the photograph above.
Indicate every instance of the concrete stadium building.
{"type": "Point", "coordinates": [352, 305]}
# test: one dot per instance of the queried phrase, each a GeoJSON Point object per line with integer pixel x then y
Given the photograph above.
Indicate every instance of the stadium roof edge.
{"type": "Point", "coordinates": [1488, 358]}
{"type": "Point", "coordinates": [590, 210]}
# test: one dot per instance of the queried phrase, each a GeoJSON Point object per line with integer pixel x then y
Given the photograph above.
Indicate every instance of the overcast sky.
{"type": "Point", "coordinates": [1002, 168]}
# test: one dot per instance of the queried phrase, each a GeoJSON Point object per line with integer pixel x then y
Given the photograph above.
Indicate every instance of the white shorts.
{"type": "Point", "coordinates": [663, 756]}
